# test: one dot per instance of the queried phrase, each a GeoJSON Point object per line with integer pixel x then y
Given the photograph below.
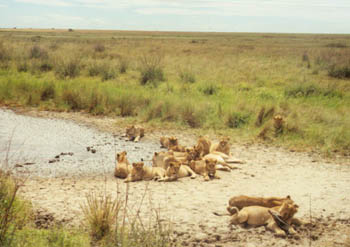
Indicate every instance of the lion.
{"type": "Point", "coordinates": [219, 160]}
{"type": "Point", "coordinates": [259, 216]}
{"type": "Point", "coordinates": [222, 146]}
{"type": "Point", "coordinates": [206, 168]}
{"type": "Point", "coordinates": [203, 145]}
{"type": "Point", "coordinates": [176, 170]}
{"type": "Point", "coordinates": [164, 142]}
{"type": "Point", "coordinates": [141, 172]}
{"type": "Point", "coordinates": [246, 201]}
{"type": "Point", "coordinates": [173, 145]}
{"type": "Point", "coordinates": [134, 133]}
{"type": "Point", "coordinates": [122, 167]}
{"type": "Point", "coordinates": [162, 159]}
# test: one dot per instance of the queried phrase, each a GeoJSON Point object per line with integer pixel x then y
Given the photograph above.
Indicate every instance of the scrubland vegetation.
{"type": "Point", "coordinates": [232, 83]}
{"type": "Point", "coordinates": [109, 222]}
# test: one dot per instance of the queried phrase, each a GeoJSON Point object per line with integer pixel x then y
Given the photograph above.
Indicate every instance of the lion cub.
{"type": "Point", "coordinates": [122, 167]}
{"type": "Point", "coordinates": [176, 170]}
{"type": "Point", "coordinates": [259, 216]}
{"type": "Point", "coordinates": [206, 168]}
{"type": "Point", "coordinates": [222, 146]}
{"type": "Point", "coordinates": [134, 133]}
{"type": "Point", "coordinates": [141, 172]}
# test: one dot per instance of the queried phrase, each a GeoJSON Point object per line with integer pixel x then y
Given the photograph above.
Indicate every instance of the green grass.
{"type": "Point", "coordinates": [208, 81]}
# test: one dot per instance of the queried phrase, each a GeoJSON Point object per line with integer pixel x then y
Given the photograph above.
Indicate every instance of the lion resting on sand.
{"type": "Point", "coordinates": [222, 146]}
{"type": "Point", "coordinates": [203, 145]}
{"type": "Point", "coordinates": [206, 168]}
{"type": "Point", "coordinates": [162, 159]}
{"type": "Point", "coordinates": [123, 167]}
{"type": "Point", "coordinates": [134, 133]}
{"type": "Point", "coordinates": [141, 172]}
{"type": "Point", "coordinates": [176, 170]}
{"type": "Point", "coordinates": [260, 216]}
{"type": "Point", "coordinates": [246, 201]}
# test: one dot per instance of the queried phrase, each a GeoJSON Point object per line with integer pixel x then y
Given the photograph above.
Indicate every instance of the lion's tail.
{"type": "Point", "coordinates": [221, 214]}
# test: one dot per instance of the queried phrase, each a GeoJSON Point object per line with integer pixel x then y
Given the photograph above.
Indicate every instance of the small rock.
{"type": "Point", "coordinates": [18, 165]}
{"type": "Point", "coordinates": [52, 161]}
{"type": "Point", "coordinates": [88, 149]}
{"type": "Point", "coordinates": [57, 157]}
{"type": "Point", "coordinates": [93, 150]}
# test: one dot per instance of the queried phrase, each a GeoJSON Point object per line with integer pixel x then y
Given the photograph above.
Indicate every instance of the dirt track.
{"type": "Point", "coordinates": [59, 188]}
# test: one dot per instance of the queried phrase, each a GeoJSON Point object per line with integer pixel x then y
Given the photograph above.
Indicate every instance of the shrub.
{"type": "Point", "coordinates": [210, 89]}
{"type": "Point", "coordinates": [123, 65]}
{"type": "Point", "coordinates": [187, 75]}
{"type": "Point", "coordinates": [237, 119]}
{"type": "Point", "coordinates": [99, 47]}
{"type": "Point", "coordinates": [38, 52]}
{"type": "Point", "coordinates": [103, 69]}
{"type": "Point", "coordinates": [22, 65]}
{"type": "Point", "coordinates": [48, 91]}
{"type": "Point", "coordinates": [68, 67]}
{"type": "Point", "coordinates": [336, 45]}
{"type": "Point", "coordinates": [309, 90]}
{"type": "Point", "coordinates": [151, 69]}
{"type": "Point", "coordinates": [341, 72]}
{"type": "Point", "coordinates": [73, 99]}
{"type": "Point", "coordinates": [101, 212]}
{"type": "Point", "coordinates": [13, 212]}
{"type": "Point", "coordinates": [191, 116]}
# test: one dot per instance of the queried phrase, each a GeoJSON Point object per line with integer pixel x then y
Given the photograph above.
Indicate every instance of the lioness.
{"type": "Point", "coordinates": [164, 141]}
{"type": "Point", "coordinates": [206, 168]}
{"type": "Point", "coordinates": [122, 167]}
{"type": "Point", "coordinates": [134, 133]}
{"type": "Point", "coordinates": [162, 159]}
{"type": "Point", "coordinates": [259, 216]}
{"type": "Point", "coordinates": [245, 201]}
{"type": "Point", "coordinates": [203, 145]}
{"type": "Point", "coordinates": [223, 146]}
{"type": "Point", "coordinates": [141, 172]}
{"type": "Point", "coordinates": [219, 160]}
{"type": "Point", "coordinates": [176, 170]}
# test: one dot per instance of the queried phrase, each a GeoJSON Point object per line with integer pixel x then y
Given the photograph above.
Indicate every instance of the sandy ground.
{"type": "Point", "coordinates": [320, 187]}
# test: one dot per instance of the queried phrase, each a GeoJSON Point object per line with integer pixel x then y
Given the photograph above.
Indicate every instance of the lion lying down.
{"type": "Point", "coordinates": [141, 172]}
{"type": "Point", "coordinates": [176, 170]}
{"type": "Point", "coordinates": [245, 201]}
{"type": "Point", "coordinates": [261, 216]}
{"type": "Point", "coordinates": [206, 168]}
{"type": "Point", "coordinates": [134, 133]}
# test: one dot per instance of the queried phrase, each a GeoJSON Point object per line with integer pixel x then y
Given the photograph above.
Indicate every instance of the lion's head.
{"type": "Point", "coordinates": [193, 153]}
{"type": "Point", "coordinates": [137, 171]}
{"type": "Point", "coordinates": [121, 157]}
{"type": "Point", "coordinates": [210, 165]}
{"type": "Point", "coordinates": [173, 169]}
{"type": "Point", "coordinates": [224, 142]}
{"type": "Point", "coordinates": [288, 210]}
{"type": "Point", "coordinates": [131, 131]}
{"type": "Point", "coordinates": [173, 141]}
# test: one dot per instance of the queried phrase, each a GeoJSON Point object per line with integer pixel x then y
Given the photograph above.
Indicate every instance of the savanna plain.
{"type": "Point", "coordinates": [186, 85]}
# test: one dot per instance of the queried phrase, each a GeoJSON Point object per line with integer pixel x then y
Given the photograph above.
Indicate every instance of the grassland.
{"type": "Point", "coordinates": [230, 83]}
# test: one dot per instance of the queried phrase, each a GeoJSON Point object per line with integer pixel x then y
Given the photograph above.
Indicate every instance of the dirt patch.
{"type": "Point", "coordinates": [320, 187]}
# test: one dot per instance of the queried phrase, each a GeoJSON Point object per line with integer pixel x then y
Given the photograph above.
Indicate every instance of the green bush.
{"type": "Point", "coordinates": [237, 119]}
{"type": "Point", "coordinates": [69, 67]}
{"type": "Point", "coordinates": [38, 52]}
{"type": "Point", "coordinates": [151, 69]}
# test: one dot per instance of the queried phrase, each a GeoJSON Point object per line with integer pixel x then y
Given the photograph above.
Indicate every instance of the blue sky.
{"type": "Point", "coordinates": [297, 16]}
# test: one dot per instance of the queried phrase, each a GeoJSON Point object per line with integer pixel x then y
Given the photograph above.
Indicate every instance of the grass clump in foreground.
{"type": "Point", "coordinates": [111, 223]}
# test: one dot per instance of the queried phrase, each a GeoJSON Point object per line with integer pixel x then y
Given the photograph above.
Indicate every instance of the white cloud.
{"type": "Point", "coordinates": [60, 3]}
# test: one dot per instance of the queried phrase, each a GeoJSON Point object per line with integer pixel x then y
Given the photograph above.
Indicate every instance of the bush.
{"type": "Point", "coordinates": [38, 52]}
{"type": "Point", "coordinates": [309, 90]}
{"type": "Point", "coordinates": [73, 99]}
{"type": "Point", "coordinates": [13, 212]}
{"type": "Point", "coordinates": [48, 91]}
{"type": "Point", "coordinates": [210, 89]}
{"type": "Point", "coordinates": [103, 69]}
{"type": "Point", "coordinates": [341, 72]}
{"type": "Point", "coordinates": [237, 120]}
{"type": "Point", "coordinates": [187, 76]}
{"type": "Point", "coordinates": [191, 115]}
{"type": "Point", "coordinates": [68, 67]}
{"type": "Point", "coordinates": [151, 69]}
{"type": "Point", "coordinates": [123, 65]}
{"type": "Point", "coordinates": [101, 213]}
{"type": "Point", "coordinates": [99, 47]}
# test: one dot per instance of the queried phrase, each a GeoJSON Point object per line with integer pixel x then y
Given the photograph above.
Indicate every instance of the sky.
{"type": "Point", "coordinates": [277, 16]}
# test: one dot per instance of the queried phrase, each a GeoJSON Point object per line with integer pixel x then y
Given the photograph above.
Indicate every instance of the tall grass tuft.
{"type": "Point", "coordinates": [151, 69]}
{"type": "Point", "coordinates": [101, 213]}
{"type": "Point", "coordinates": [14, 213]}
{"type": "Point", "coordinates": [38, 52]}
{"type": "Point", "coordinates": [68, 67]}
